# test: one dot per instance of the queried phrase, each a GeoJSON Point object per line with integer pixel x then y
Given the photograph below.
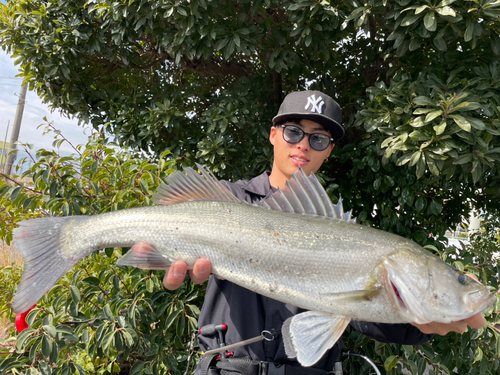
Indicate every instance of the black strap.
{"type": "Point", "coordinates": [246, 366]}
{"type": "Point", "coordinates": [299, 370]}
{"type": "Point", "coordinates": [236, 366]}
{"type": "Point", "coordinates": [206, 362]}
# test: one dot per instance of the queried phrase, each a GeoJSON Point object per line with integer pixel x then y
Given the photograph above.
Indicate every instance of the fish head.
{"type": "Point", "coordinates": [426, 289]}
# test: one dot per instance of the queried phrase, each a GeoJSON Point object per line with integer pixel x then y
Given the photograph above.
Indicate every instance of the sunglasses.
{"type": "Point", "coordinates": [318, 141]}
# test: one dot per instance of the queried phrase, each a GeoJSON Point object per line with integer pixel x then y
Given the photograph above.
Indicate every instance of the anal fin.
{"type": "Point", "coordinates": [307, 336]}
{"type": "Point", "coordinates": [145, 257]}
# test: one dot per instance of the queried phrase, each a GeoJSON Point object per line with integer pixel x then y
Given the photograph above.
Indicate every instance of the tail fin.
{"type": "Point", "coordinates": [41, 245]}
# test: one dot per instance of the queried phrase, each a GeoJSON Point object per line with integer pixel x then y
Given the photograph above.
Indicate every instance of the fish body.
{"type": "Point", "coordinates": [295, 247]}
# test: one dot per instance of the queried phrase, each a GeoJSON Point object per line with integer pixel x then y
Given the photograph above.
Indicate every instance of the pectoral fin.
{"type": "Point", "coordinates": [353, 296]}
{"type": "Point", "coordinates": [144, 257]}
{"type": "Point", "coordinates": [307, 336]}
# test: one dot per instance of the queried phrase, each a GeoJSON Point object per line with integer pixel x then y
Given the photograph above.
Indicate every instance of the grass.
{"type": "Point", "coordinates": [5, 326]}
{"type": "Point", "coordinates": [8, 257]}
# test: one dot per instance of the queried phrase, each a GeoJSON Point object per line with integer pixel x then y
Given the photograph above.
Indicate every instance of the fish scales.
{"type": "Point", "coordinates": [318, 256]}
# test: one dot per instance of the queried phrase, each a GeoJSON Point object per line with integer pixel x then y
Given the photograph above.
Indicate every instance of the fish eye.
{"type": "Point", "coordinates": [462, 279]}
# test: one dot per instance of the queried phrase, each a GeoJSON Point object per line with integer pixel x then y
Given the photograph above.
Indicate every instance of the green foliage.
{"type": "Point", "coordinates": [98, 178]}
{"type": "Point", "coordinates": [9, 278]}
{"type": "Point", "coordinates": [445, 128]}
{"type": "Point", "coordinates": [11, 211]}
{"type": "Point", "coordinates": [103, 319]}
{"type": "Point", "coordinates": [100, 318]}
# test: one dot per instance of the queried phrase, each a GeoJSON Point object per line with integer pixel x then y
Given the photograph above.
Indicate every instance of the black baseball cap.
{"type": "Point", "coordinates": [315, 106]}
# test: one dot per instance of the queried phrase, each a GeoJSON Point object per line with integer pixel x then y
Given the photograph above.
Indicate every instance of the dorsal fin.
{"type": "Point", "coordinates": [302, 194]}
{"type": "Point", "coordinates": [190, 185]}
{"type": "Point", "coordinates": [305, 195]}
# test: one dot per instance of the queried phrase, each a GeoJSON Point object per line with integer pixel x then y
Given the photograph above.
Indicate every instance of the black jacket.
{"type": "Point", "coordinates": [247, 314]}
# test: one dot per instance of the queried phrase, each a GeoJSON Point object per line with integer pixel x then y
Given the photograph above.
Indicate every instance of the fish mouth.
{"type": "Point", "coordinates": [477, 300]}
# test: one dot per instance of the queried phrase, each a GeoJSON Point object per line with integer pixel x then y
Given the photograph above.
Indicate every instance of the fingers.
{"type": "Point", "coordinates": [476, 321]}
{"type": "Point", "coordinates": [201, 271]}
{"type": "Point", "coordinates": [442, 329]}
{"type": "Point", "coordinates": [177, 273]}
{"type": "Point", "coordinates": [141, 247]}
{"type": "Point", "coordinates": [175, 276]}
{"type": "Point", "coordinates": [458, 327]}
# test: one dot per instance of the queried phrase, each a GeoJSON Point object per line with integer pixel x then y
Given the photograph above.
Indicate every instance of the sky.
{"type": "Point", "coordinates": [33, 114]}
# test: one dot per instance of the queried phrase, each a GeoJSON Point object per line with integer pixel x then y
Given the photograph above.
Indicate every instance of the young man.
{"type": "Point", "coordinates": [303, 134]}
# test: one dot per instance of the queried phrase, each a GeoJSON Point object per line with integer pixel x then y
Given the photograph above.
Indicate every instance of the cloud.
{"type": "Point", "coordinates": [33, 114]}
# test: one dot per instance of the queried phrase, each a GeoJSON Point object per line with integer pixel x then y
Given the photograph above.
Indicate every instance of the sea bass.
{"type": "Point", "coordinates": [295, 247]}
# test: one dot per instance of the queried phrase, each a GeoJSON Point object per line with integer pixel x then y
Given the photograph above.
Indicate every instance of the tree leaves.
{"type": "Point", "coordinates": [462, 122]}
{"type": "Point", "coordinates": [432, 115]}
{"type": "Point", "coordinates": [100, 341]}
{"type": "Point", "coordinates": [430, 22]}
{"type": "Point", "coordinates": [102, 311]}
{"type": "Point", "coordinates": [447, 125]}
{"type": "Point", "coordinates": [204, 80]}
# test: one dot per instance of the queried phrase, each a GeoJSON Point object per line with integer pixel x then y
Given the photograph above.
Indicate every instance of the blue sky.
{"type": "Point", "coordinates": [34, 112]}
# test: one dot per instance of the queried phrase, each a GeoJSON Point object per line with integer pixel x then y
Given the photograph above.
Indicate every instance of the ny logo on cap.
{"type": "Point", "coordinates": [316, 104]}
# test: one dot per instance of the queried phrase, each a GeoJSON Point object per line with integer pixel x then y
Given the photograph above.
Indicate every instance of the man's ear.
{"type": "Point", "coordinates": [331, 149]}
{"type": "Point", "coordinates": [272, 135]}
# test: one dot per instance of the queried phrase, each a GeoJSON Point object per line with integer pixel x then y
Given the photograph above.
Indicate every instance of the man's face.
{"type": "Point", "coordinates": [288, 157]}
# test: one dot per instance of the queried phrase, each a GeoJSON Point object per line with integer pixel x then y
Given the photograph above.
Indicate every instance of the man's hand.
{"type": "Point", "coordinates": [177, 273]}
{"type": "Point", "coordinates": [476, 321]}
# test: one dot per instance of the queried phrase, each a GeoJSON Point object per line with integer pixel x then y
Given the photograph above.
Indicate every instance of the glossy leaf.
{"type": "Point", "coordinates": [75, 293]}
{"type": "Point", "coordinates": [430, 22]}
{"type": "Point", "coordinates": [390, 362]}
{"type": "Point", "coordinates": [46, 345]}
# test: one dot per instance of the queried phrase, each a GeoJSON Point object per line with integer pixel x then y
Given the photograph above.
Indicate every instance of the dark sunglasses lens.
{"type": "Point", "coordinates": [319, 142]}
{"type": "Point", "coordinates": [292, 134]}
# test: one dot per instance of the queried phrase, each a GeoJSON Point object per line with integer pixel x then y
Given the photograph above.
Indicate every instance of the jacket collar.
{"type": "Point", "coordinates": [260, 185]}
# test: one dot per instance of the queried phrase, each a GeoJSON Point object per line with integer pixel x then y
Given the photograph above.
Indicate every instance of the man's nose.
{"type": "Point", "coordinates": [304, 143]}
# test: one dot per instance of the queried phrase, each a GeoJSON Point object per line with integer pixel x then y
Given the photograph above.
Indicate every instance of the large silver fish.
{"type": "Point", "coordinates": [296, 247]}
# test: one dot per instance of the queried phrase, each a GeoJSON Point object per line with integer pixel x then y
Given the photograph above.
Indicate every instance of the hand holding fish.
{"type": "Point", "coordinates": [476, 321]}
{"type": "Point", "coordinates": [177, 272]}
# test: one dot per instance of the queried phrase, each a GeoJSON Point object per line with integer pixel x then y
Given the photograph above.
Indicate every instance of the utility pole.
{"type": "Point", "coordinates": [15, 130]}
{"type": "Point", "coordinates": [3, 156]}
